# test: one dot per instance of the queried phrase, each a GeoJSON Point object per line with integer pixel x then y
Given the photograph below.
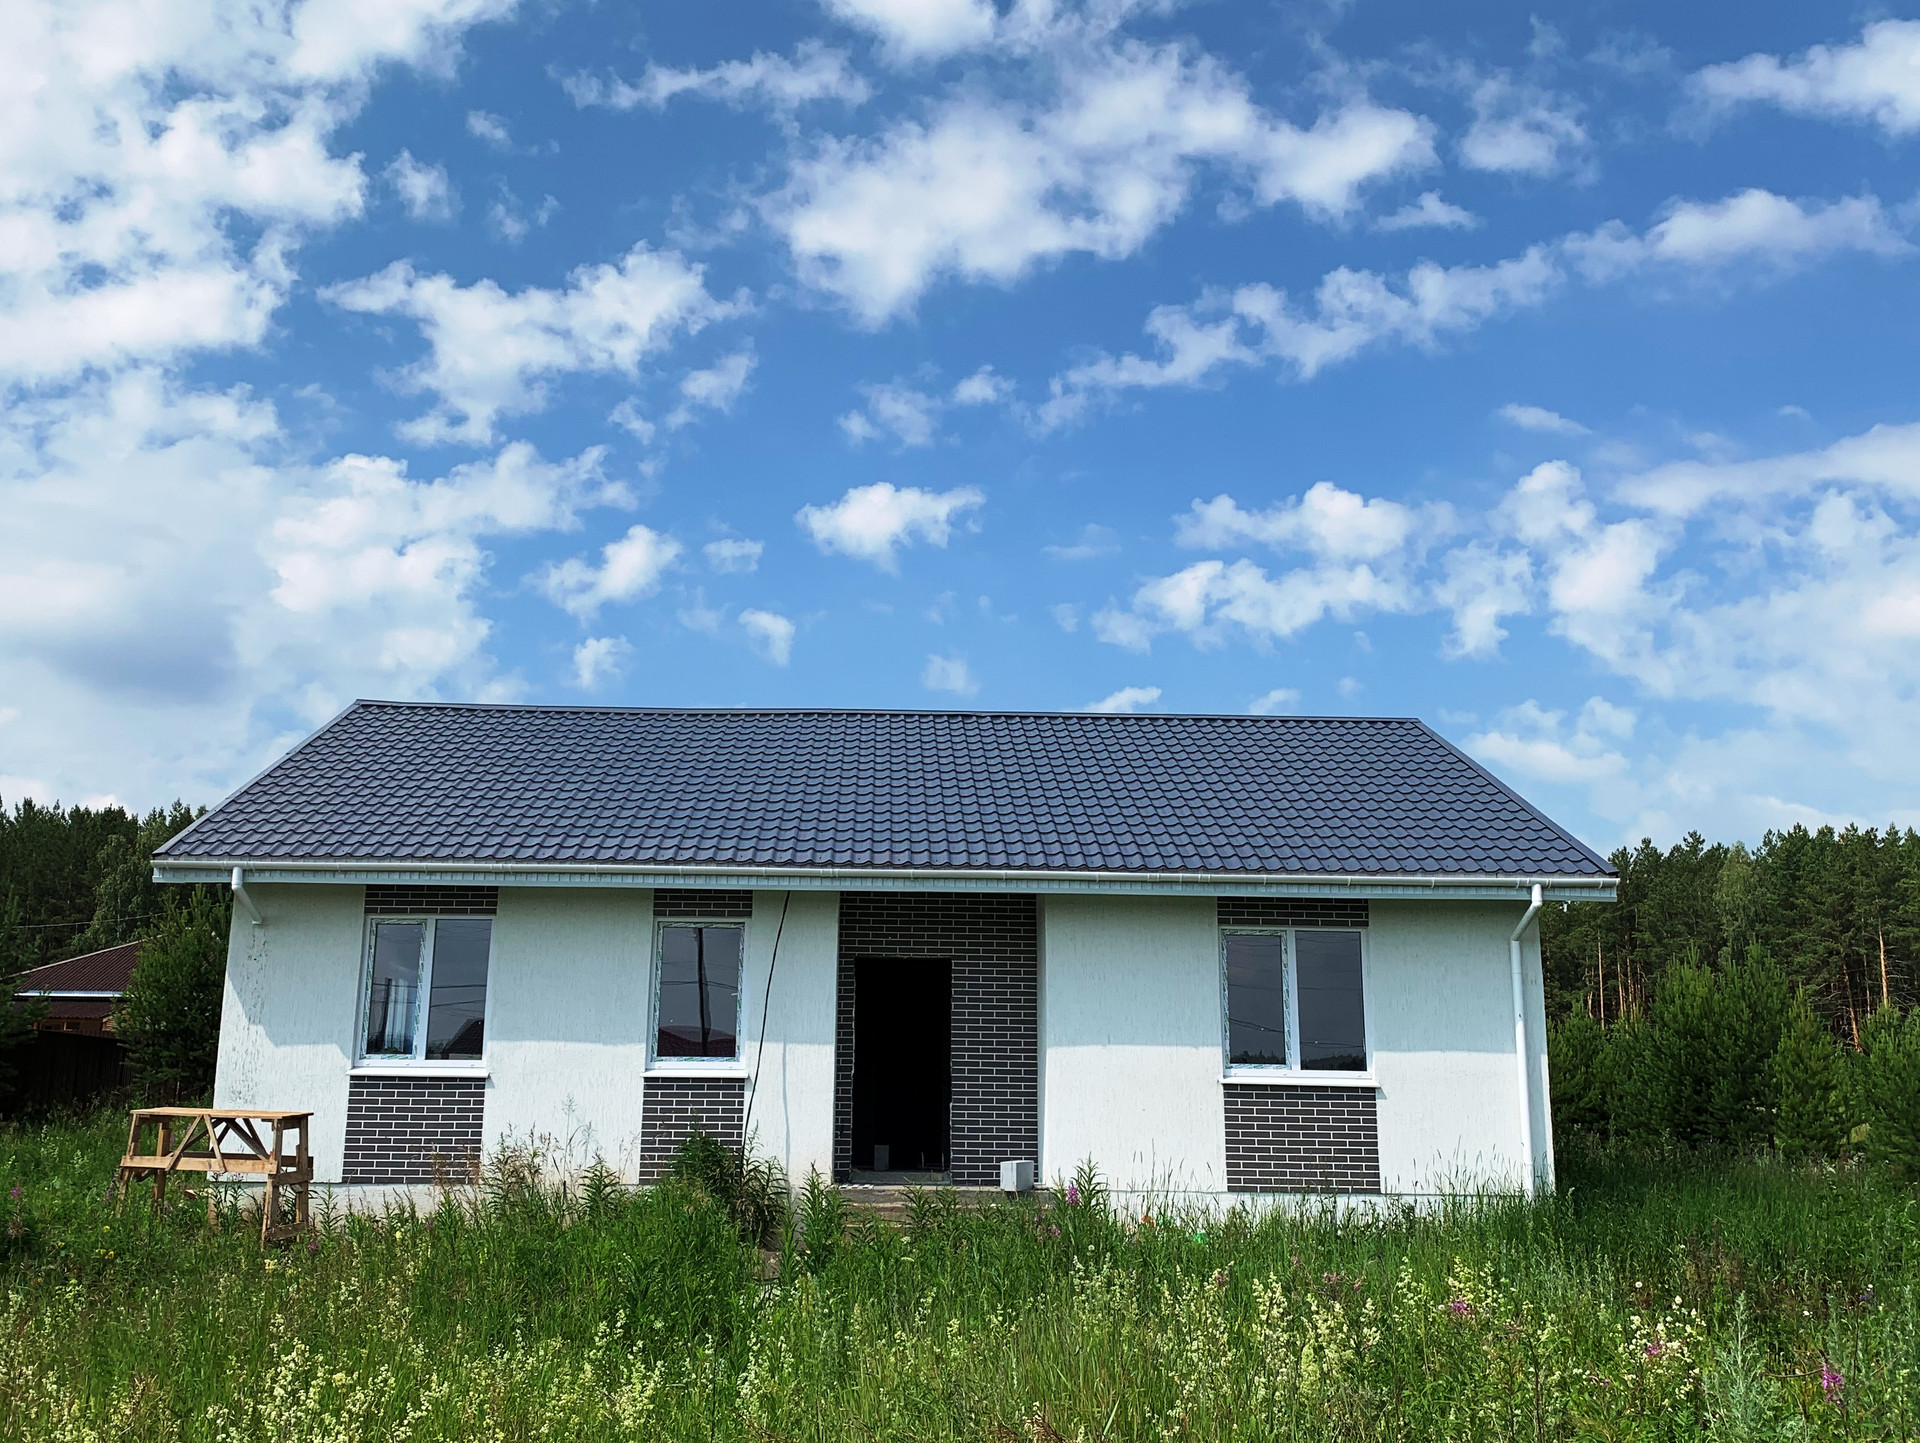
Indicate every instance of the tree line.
{"type": "Point", "coordinates": [1744, 997]}
{"type": "Point", "coordinates": [77, 879]}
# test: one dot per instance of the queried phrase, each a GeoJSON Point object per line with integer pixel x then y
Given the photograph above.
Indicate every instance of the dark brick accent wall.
{"type": "Point", "coordinates": [1302, 1139]}
{"type": "Point", "coordinates": [702, 904]}
{"type": "Point", "coordinates": [413, 1129]}
{"type": "Point", "coordinates": [408, 901]}
{"type": "Point", "coordinates": [993, 943]}
{"type": "Point", "coordinates": [1292, 911]}
{"type": "Point", "coordinates": [673, 1106]}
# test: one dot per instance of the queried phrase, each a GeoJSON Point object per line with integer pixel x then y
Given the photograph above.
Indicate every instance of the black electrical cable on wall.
{"type": "Point", "coordinates": [761, 1051]}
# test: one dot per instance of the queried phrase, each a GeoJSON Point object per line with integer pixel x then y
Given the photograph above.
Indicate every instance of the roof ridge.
{"type": "Point", "coordinates": [987, 712]}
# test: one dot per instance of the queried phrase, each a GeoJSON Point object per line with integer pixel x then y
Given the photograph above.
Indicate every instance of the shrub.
{"type": "Point", "coordinates": [752, 1190]}
{"type": "Point", "coordinates": [1577, 1062]}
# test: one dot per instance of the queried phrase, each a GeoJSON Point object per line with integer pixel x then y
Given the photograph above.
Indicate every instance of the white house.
{"type": "Point", "coordinates": [1214, 955]}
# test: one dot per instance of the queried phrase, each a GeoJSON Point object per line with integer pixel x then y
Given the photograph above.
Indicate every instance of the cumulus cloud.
{"type": "Point", "coordinates": [871, 523]}
{"type": "Point", "coordinates": [1127, 699]}
{"type": "Point", "coordinates": [714, 389]}
{"type": "Point", "coordinates": [1328, 521]}
{"type": "Point", "coordinates": [424, 190]}
{"type": "Point", "coordinates": [1520, 130]}
{"type": "Point", "coordinates": [491, 128]}
{"type": "Point", "coordinates": [1212, 602]}
{"type": "Point", "coordinates": [629, 569]}
{"type": "Point", "coordinates": [770, 634]}
{"type": "Point", "coordinates": [816, 73]}
{"type": "Point", "coordinates": [491, 351]}
{"type": "Point", "coordinates": [915, 30]}
{"type": "Point", "coordinates": [985, 189]}
{"type": "Point", "coordinates": [1428, 212]}
{"type": "Point", "coordinates": [949, 673]}
{"type": "Point", "coordinates": [1094, 540]}
{"type": "Point", "coordinates": [909, 415]}
{"type": "Point", "coordinates": [599, 659]}
{"type": "Point", "coordinates": [1280, 700]}
{"type": "Point", "coordinates": [1352, 311]}
{"type": "Point", "coordinates": [1875, 79]}
{"type": "Point", "coordinates": [1538, 744]}
{"type": "Point", "coordinates": [1539, 418]}
{"type": "Point", "coordinates": [733, 555]}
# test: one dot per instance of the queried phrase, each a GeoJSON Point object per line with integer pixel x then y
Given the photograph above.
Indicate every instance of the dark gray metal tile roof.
{"type": "Point", "coordinates": [389, 781]}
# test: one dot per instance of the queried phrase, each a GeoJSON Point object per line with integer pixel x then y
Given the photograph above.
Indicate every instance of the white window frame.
{"type": "Point", "coordinates": [1292, 1073]}
{"type": "Point", "coordinates": [373, 1063]}
{"type": "Point", "coordinates": [660, 1066]}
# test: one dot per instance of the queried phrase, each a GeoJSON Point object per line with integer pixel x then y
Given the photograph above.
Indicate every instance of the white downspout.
{"type": "Point", "coordinates": [240, 897]}
{"type": "Point", "coordinates": [1520, 1044]}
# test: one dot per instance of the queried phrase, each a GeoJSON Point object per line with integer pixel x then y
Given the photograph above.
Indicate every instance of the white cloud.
{"type": "Point", "coordinates": [1883, 459]}
{"type": "Point", "coordinates": [1520, 130]}
{"type": "Point", "coordinates": [424, 190]}
{"type": "Point", "coordinates": [871, 522]}
{"type": "Point", "coordinates": [983, 388]}
{"type": "Point", "coordinates": [733, 555]}
{"type": "Point", "coordinates": [1536, 743]}
{"type": "Point", "coordinates": [949, 673]}
{"type": "Point", "coordinates": [1094, 540]}
{"type": "Point", "coordinates": [1481, 585]}
{"type": "Point", "coordinates": [1065, 615]}
{"type": "Point", "coordinates": [599, 659]}
{"type": "Point", "coordinates": [985, 189]}
{"type": "Point", "coordinates": [770, 634]}
{"type": "Point", "coordinates": [713, 389]}
{"type": "Point", "coordinates": [1329, 522]}
{"type": "Point", "coordinates": [911, 416]}
{"type": "Point", "coordinates": [491, 351]}
{"type": "Point", "coordinates": [1355, 311]}
{"type": "Point", "coordinates": [510, 222]}
{"type": "Point", "coordinates": [1127, 699]}
{"type": "Point", "coordinates": [1875, 79]}
{"type": "Point", "coordinates": [914, 30]}
{"type": "Point", "coordinates": [1428, 212]}
{"type": "Point", "coordinates": [1280, 700]}
{"type": "Point", "coordinates": [816, 73]}
{"type": "Point", "coordinates": [1539, 418]}
{"type": "Point", "coordinates": [629, 569]}
{"type": "Point", "coordinates": [484, 125]}
{"type": "Point", "coordinates": [1212, 601]}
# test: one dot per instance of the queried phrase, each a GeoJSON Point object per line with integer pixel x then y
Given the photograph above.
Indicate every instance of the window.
{"type": "Point", "coordinates": [697, 1011]}
{"type": "Point", "coordinates": [427, 989]}
{"type": "Point", "coordinates": [1295, 1000]}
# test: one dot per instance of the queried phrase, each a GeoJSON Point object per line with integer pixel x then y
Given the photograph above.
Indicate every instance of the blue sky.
{"type": "Point", "coordinates": [1544, 374]}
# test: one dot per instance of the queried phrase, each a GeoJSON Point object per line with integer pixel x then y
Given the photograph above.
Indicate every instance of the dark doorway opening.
{"type": "Point", "coordinates": [902, 1081]}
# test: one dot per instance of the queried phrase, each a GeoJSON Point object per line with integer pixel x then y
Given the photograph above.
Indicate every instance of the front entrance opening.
{"type": "Point", "coordinates": [901, 1077]}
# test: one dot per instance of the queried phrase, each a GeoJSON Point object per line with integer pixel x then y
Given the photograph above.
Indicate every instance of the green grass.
{"type": "Point", "coordinates": [1655, 1298]}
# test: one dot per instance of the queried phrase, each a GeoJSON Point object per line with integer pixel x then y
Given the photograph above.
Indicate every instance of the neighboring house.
{"type": "Point", "coordinates": [1213, 954]}
{"type": "Point", "coordinates": [82, 992]}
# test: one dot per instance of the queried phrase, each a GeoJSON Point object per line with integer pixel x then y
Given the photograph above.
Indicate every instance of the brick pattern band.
{"type": "Point", "coordinates": [702, 904]}
{"type": "Point", "coordinates": [426, 901]}
{"type": "Point", "coordinates": [414, 1129]}
{"type": "Point", "coordinates": [1292, 911]}
{"type": "Point", "coordinates": [993, 943]}
{"type": "Point", "coordinates": [673, 1107]}
{"type": "Point", "coordinates": [1302, 1139]}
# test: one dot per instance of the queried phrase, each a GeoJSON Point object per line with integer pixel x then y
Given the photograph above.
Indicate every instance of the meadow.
{"type": "Point", "coordinates": [1658, 1296]}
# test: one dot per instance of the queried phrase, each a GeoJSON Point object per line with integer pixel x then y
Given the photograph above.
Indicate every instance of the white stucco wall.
{"type": "Point", "coordinates": [1441, 999]}
{"type": "Point", "coordinates": [791, 1104]}
{"type": "Point", "coordinates": [1130, 1042]}
{"type": "Point", "coordinates": [287, 1016]}
{"type": "Point", "coordinates": [567, 1010]}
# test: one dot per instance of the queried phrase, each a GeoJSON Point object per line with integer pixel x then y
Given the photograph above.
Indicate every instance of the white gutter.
{"type": "Point", "coordinates": [240, 897]}
{"type": "Point", "coordinates": [1520, 1042]}
{"type": "Point", "coordinates": [1383, 885]}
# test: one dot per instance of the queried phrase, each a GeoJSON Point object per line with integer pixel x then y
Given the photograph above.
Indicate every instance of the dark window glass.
{"type": "Point", "coordinates": [457, 1008]}
{"type": "Point", "coordinates": [393, 989]}
{"type": "Point", "coordinates": [1256, 998]}
{"type": "Point", "coordinates": [1333, 1024]}
{"type": "Point", "coordinates": [699, 991]}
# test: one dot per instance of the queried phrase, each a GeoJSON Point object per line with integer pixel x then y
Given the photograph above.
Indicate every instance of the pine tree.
{"type": "Point", "coordinates": [1749, 1002]}
{"type": "Point", "coordinates": [16, 1018]}
{"type": "Point", "coordinates": [1577, 1058]}
{"type": "Point", "coordinates": [1887, 1086]}
{"type": "Point", "coordinates": [170, 1019]}
{"type": "Point", "coordinates": [1809, 1078]}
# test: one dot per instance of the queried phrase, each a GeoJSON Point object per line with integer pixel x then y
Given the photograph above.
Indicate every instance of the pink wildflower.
{"type": "Point", "coordinates": [1832, 1382]}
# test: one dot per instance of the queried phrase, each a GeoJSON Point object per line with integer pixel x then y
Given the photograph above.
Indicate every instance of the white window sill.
{"type": "Point", "coordinates": [1279, 1077]}
{"type": "Point", "coordinates": [371, 1068]}
{"type": "Point", "coordinates": [683, 1069]}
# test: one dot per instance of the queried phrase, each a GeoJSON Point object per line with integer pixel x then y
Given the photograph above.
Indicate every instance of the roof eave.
{"type": "Point", "coordinates": [1471, 886]}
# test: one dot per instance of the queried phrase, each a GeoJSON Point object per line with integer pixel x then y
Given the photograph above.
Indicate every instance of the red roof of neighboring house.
{"type": "Point", "coordinates": [108, 970]}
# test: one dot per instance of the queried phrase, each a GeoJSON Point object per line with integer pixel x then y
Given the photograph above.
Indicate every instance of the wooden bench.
{"type": "Point", "coordinates": [249, 1142]}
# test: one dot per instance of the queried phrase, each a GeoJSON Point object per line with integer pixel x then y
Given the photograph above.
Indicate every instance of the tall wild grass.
{"type": "Point", "coordinates": [1655, 1298]}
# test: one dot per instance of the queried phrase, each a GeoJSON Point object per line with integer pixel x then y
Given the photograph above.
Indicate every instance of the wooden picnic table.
{"type": "Point", "coordinates": [247, 1141]}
